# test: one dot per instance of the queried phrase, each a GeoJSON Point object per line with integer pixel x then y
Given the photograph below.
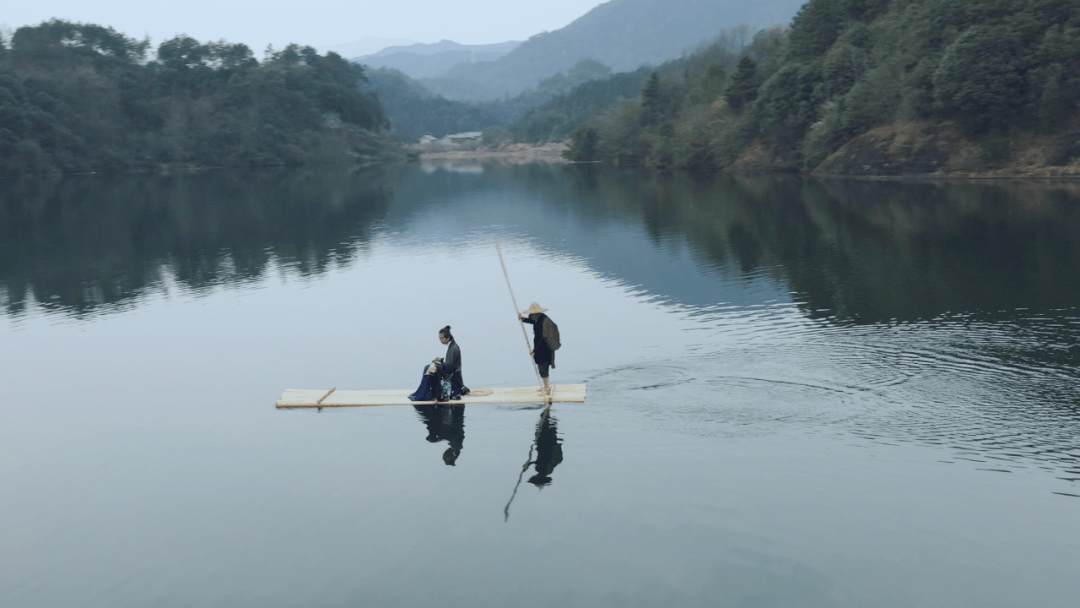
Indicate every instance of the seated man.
{"type": "Point", "coordinates": [442, 378]}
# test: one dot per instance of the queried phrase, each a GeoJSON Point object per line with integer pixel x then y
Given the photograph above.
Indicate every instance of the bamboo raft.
{"type": "Point", "coordinates": [295, 398]}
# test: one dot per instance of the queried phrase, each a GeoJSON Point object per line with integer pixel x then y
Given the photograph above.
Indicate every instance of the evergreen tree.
{"type": "Point", "coordinates": [1053, 109]}
{"type": "Point", "coordinates": [980, 78]}
{"type": "Point", "coordinates": [742, 88]}
{"type": "Point", "coordinates": [815, 27]}
{"type": "Point", "coordinates": [652, 101]}
{"type": "Point", "coordinates": [583, 147]}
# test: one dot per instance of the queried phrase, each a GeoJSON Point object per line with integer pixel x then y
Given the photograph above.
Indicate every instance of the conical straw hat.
{"type": "Point", "coordinates": [534, 309]}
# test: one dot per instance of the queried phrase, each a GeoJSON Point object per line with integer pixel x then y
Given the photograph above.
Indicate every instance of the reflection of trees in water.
{"type": "Point", "coordinates": [859, 251]}
{"type": "Point", "coordinates": [79, 243]}
{"type": "Point", "coordinates": [864, 251]}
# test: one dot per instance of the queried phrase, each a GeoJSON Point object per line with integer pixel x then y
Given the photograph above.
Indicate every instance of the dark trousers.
{"type": "Point", "coordinates": [543, 363]}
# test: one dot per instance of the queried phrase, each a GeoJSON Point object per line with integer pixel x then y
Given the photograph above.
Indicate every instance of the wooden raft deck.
{"type": "Point", "coordinates": [294, 398]}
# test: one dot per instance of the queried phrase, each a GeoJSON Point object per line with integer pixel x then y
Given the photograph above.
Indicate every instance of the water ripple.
{"type": "Point", "coordinates": [1000, 391]}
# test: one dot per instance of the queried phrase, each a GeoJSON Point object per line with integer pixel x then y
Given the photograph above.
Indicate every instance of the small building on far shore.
{"type": "Point", "coordinates": [464, 138]}
{"type": "Point", "coordinates": [468, 140]}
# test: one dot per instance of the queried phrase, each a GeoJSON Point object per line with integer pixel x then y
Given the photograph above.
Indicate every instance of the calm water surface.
{"type": "Point", "coordinates": [801, 392]}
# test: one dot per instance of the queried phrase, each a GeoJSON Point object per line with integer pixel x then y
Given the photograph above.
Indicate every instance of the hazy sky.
{"type": "Point", "coordinates": [312, 22]}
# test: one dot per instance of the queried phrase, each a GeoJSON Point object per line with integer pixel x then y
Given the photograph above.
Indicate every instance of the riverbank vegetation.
{"type": "Point", "coordinates": [78, 97]}
{"type": "Point", "coordinates": [865, 86]}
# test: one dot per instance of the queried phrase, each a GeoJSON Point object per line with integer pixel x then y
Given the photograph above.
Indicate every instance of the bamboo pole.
{"type": "Point", "coordinates": [517, 314]}
{"type": "Point", "coordinates": [323, 398]}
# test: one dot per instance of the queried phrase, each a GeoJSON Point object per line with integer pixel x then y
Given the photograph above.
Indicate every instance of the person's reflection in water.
{"type": "Point", "coordinates": [445, 422]}
{"type": "Point", "coordinates": [548, 451]}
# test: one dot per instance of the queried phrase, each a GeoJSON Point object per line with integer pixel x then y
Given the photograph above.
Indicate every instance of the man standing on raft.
{"type": "Point", "coordinates": [545, 340]}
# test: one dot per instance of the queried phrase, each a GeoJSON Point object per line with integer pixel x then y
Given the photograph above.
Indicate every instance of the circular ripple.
{"type": "Point", "coordinates": [1000, 392]}
{"type": "Point", "coordinates": [640, 378]}
{"type": "Point", "coordinates": [695, 397]}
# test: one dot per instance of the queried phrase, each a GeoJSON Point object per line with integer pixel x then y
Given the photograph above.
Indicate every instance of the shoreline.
{"type": "Point", "coordinates": [935, 177]}
{"type": "Point", "coordinates": [512, 154]}
{"type": "Point", "coordinates": [551, 153]}
{"type": "Point", "coordinates": [521, 153]}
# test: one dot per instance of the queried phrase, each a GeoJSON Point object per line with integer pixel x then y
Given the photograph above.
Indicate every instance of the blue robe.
{"type": "Point", "coordinates": [446, 383]}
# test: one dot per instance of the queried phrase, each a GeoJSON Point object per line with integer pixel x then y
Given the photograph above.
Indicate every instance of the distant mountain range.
{"type": "Point", "coordinates": [434, 60]}
{"type": "Point", "coordinates": [622, 34]}
{"type": "Point", "coordinates": [363, 46]}
{"type": "Point", "coordinates": [446, 46]}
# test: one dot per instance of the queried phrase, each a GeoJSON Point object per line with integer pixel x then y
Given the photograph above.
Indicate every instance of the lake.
{"type": "Point", "coordinates": [802, 392]}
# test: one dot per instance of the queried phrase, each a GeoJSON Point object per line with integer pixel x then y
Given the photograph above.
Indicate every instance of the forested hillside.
{"type": "Point", "coordinates": [556, 118]}
{"type": "Point", "coordinates": [621, 34]}
{"type": "Point", "coordinates": [79, 97]}
{"type": "Point", "coordinates": [414, 110]}
{"type": "Point", "coordinates": [867, 86]}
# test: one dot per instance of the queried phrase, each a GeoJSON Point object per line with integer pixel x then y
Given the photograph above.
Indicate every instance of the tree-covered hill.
{"type": "Point", "coordinates": [78, 97]}
{"type": "Point", "coordinates": [414, 110]}
{"type": "Point", "coordinates": [556, 118]}
{"type": "Point", "coordinates": [869, 86]}
{"type": "Point", "coordinates": [601, 98]}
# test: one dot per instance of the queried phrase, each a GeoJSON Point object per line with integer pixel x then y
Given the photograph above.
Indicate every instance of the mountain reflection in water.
{"type": "Point", "coordinates": [994, 262]}
{"type": "Point", "coordinates": [801, 391]}
{"type": "Point", "coordinates": [79, 244]}
{"type": "Point", "coordinates": [861, 252]}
